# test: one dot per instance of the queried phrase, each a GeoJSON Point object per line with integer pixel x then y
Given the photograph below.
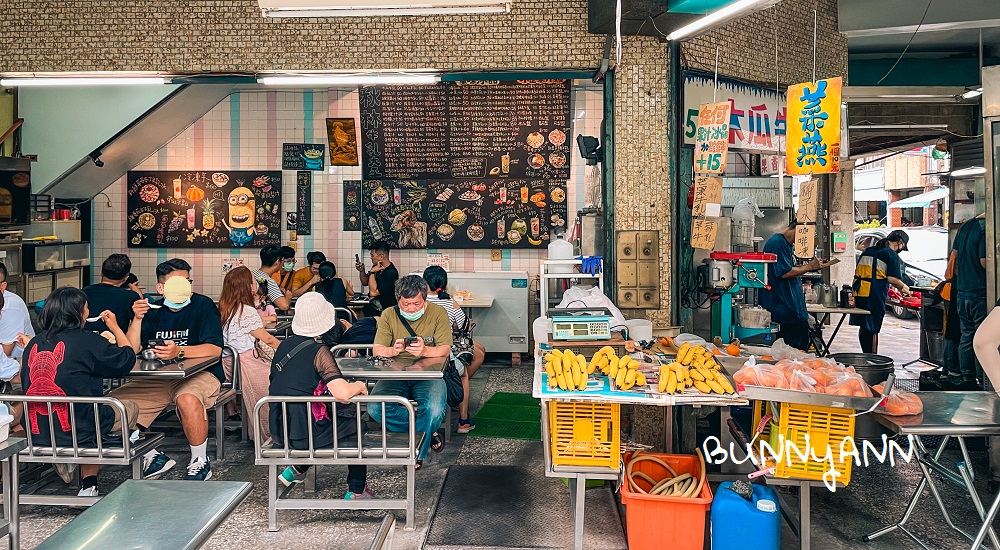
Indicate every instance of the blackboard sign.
{"type": "Point", "coordinates": [302, 156]}
{"type": "Point", "coordinates": [352, 205]}
{"type": "Point", "coordinates": [486, 213]}
{"type": "Point", "coordinates": [208, 209]}
{"type": "Point", "coordinates": [458, 130]}
{"type": "Point", "coordinates": [303, 202]}
{"type": "Point", "coordinates": [394, 211]}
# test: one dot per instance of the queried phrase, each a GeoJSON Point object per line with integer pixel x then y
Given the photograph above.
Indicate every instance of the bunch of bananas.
{"type": "Point", "coordinates": [623, 370]}
{"type": "Point", "coordinates": [566, 370]}
{"type": "Point", "coordinates": [694, 367]}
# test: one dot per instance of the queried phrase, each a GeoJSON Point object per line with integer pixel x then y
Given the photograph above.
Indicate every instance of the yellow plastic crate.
{"type": "Point", "coordinates": [585, 434]}
{"type": "Point", "coordinates": [825, 425]}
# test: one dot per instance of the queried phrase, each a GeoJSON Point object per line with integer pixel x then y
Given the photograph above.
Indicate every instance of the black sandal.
{"type": "Point", "coordinates": [437, 444]}
{"type": "Point", "coordinates": [418, 465]}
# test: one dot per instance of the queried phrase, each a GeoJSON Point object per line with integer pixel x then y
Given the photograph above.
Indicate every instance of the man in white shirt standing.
{"type": "Point", "coordinates": [14, 320]}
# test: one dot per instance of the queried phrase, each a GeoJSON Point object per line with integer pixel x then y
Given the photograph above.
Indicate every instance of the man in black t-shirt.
{"type": "Point", "coordinates": [970, 301]}
{"type": "Point", "coordinates": [109, 294]}
{"type": "Point", "coordinates": [381, 280]}
{"type": "Point", "coordinates": [191, 328]}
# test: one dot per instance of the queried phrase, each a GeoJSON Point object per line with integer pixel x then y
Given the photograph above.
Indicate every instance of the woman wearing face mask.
{"type": "Point", "coordinates": [243, 329]}
{"type": "Point", "coordinates": [286, 275]}
{"type": "Point", "coordinates": [66, 360]}
{"type": "Point", "coordinates": [878, 267]}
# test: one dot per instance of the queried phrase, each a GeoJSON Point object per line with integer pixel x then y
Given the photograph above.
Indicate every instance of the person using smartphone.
{"type": "Point", "coordinates": [380, 280]}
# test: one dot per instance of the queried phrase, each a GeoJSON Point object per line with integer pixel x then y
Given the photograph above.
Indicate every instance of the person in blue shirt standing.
{"type": "Point", "coordinates": [785, 300]}
{"type": "Point", "coordinates": [878, 267]}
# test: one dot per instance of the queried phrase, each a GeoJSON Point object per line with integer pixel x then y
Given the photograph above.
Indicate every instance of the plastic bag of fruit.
{"type": "Point", "coordinates": [753, 374]}
{"type": "Point", "coordinates": [846, 383]}
{"type": "Point", "coordinates": [901, 403]}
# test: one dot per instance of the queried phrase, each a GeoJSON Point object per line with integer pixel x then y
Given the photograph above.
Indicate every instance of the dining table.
{"type": "Point", "coordinates": [383, 368]}
{"type": "Point", "coordinates": [173, 369]}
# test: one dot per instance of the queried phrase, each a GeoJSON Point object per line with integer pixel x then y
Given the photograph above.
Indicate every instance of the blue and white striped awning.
{"type": "Point", "coordinates": [922, 200]}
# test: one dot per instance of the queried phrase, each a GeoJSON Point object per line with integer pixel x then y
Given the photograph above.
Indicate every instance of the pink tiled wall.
{"type": "Point", "coordinates": [262, 121]}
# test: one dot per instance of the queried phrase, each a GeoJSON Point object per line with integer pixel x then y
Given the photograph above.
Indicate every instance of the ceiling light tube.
{"type": "Point", "coordinates": [972, 93]}
{"type": "Point", "coordinates": [82, 81]}
{"type": "Point", "coordinates": [971, 171]}
{"type": "Point", "coordinates": [897, 127]}
{"type": "Point", "coordinates": [347, 79]}
{"type": "Point", "coordinates": [374, 12]}
{"type": "Point", "coordinates": [720, 17]}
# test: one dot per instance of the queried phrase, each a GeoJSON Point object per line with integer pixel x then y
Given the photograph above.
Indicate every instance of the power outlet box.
{"type": "Point", "coordinates": [495, 255]}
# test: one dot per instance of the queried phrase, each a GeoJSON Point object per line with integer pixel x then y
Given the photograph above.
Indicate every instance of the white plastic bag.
{"type": "Point", "coordinates": [780, 350]}
{"type": "Point", "coordinates": [579, 297]}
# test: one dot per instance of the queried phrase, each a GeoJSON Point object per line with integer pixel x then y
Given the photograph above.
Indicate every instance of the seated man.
{"type": "Point", "coordinates": [285, 275]}
{"type": "Point", "coordinates": [109, 294]}
{"type": "Point", "coordinates": [307, 277]}
{"type": "Point", "coordinates": [191, 328]}
{"type": "Point", "coordinates": [427, 321]}
{"type": "Point", "coordinates": [270, 263]}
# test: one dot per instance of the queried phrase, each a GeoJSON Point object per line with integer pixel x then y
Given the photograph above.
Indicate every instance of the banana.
{"type": "Point", "coordinates": [567, 362]}
{"type": "Point", "coordinates": [715, 387]}
{"type": "Point", "coordinates": [561, 379]}
{"type": "Point", "coordinates": [702, 387]}
{"type": "Point", "coordinates": [640, 379]}
{"type": "Point", "coordinates": [550, 370]}
{"type": "Point", "coordinates": [671, 384]}
{"type": "Point", "coordinates": [534, 242]}
{"type": "Point", "coordinates": [556, 352]}
{"type": "Point", "coordinates": [697, 375]}
{"type": "Point", "coordinates": [613, 367]}
{"type": "Point", "coordinates": [682, 352]}
{"type": "Point", "coordinates": [573, 378]}
{"type": "Point", "coordinates": [582, 385]}
{"type": "Point", "coordinates": [606, 350]}
{"type": "Point", "coordinates": [620, 378]}
{"type": "Point", "coordinates": [549, 357]}
{"type": "Point", "coordinates": [630, 377]}
{"type": "Point", "coordinates": [582, 362]}
{"type": "Point", "coordinates": [665, 374]}
{"type": "Point", "coordinates": [725, 383]}
{"type": "Point", "coordinates": [553, 383]}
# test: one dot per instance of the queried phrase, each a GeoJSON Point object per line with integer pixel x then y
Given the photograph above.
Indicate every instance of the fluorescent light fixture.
{"type": "Point", "coordinates": [720, 17]}
{"type": "Point", "coordinates": [82, 81]}
{"type": "Point", "coordinates": [374, 8]}
{"type": "Point", "coordinates": [350, 79]}
{"type": "Point", "coordinates": [897, 127]}
{"type": "Point", "coordinates": [971, 171]}
{"type": "Point", "coordinates": [972, 93]}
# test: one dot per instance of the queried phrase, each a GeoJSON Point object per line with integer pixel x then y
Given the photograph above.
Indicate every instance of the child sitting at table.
{"type": "Point", "coordinates": [264, 309]}
{"type": "Point", "coordinates": [307, 371]}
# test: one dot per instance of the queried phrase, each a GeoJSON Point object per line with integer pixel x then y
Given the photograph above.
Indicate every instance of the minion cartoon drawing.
{"type": "Point", "coordinates": [242, 209]}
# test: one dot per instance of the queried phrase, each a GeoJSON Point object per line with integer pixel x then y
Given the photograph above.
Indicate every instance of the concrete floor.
{"type": "Point", "coordinates": [876, 496]}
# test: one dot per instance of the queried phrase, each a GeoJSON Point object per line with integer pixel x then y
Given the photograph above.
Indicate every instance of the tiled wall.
{"type": "Point", "coordinates": [246, 131]}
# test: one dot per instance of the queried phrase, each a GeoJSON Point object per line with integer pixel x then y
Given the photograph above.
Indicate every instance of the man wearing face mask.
{"type": "Point", "coordinates": [286, 275]}
{"type": "Point", "coordinates": [430, 323]}
{"type": "Point", "coordinates": [191, 327]}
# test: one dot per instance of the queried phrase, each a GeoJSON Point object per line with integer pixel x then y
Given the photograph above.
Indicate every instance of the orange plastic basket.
{"type": "Point", "coordinates": [825, 425]}
{"type": "Point", "coordinates": [585, 434]}
{"type": "Point", "coordinates": [655, 521]}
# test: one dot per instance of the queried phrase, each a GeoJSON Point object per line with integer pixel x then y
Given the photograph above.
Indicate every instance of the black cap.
{"type": "Point", "coordinates": [899, 235]}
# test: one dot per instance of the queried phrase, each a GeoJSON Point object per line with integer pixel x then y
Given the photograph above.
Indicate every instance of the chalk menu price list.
{"type": "Point", "coordinates": [404, 132]}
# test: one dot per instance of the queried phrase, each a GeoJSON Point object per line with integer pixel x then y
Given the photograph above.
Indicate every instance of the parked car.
{"type": "Point", "coordinates": [924, 264]}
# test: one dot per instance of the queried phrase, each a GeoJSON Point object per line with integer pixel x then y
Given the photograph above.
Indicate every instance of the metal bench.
{"type": "Point", "coordinates": [123, 453]}
{"type": "Point", "coordinates": [343, 350]}
{"type": "Point", "coordinates": [379, 448]}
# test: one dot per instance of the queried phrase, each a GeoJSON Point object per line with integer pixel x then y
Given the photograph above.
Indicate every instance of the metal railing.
{"type": "Point", "coordinates": [383, 537]}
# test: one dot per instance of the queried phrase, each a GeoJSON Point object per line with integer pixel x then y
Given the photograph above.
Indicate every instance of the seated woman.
{"type": "Point", "coordinates": [437, 281]}
{"type": "Point", "coordinates": [336, 290]}
{"type": "Point", "coordinates": [243, 329]}
{"type": "Point", "coordinates": [66, 360]}
{"type": "Point", "coordinates": [306, 371]}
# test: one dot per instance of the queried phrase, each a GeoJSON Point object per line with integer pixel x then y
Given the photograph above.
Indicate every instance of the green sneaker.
{"type": "Point", "coordinates": [367, 493]}
{"type": "Point", "coordinates": [290, 476]}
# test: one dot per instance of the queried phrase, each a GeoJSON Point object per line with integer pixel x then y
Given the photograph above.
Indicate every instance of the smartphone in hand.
{"type": "Point", "coordinates": [157, 342]}
{"type": "Point", "coordinates": [410, 341]}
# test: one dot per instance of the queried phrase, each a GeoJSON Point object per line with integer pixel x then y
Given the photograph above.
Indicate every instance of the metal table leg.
{"type": "Point", "coordinates": [668, 429]}
{"type": "Point", "coordinates": [577, 499]}
{"type": "Point", "coordinates": [966, 471]}
{"type": "Point", "coordinates": [920, 453]}
{"type": "Point", "coordinates": [835, 331]}
{"type": "Point", "coordinates": [12, 502]}
{"type": "Point", "coordinates": [805, 526]}
{"type": "Point", "coordinates": [987, 522]}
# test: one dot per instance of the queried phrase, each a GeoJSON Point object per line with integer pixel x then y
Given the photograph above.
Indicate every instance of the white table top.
{"type": "Point", "coordinates": [478, 301]}
{"type": "Point", "coordinates": [816, 308]}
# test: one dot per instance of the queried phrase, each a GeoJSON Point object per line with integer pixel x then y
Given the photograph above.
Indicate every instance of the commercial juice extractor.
{"type": "Point", "coordinates": [733, 281]}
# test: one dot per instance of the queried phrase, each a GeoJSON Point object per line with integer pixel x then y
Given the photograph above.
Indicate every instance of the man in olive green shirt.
{"type": "Point", "coordinates": [432, 346]}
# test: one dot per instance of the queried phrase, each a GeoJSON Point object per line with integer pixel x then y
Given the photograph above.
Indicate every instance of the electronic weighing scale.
{"type": "Point", "coordinates": [580, 324]}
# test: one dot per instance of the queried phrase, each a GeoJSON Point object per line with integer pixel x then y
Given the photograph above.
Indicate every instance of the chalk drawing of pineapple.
{"type": "Point", "coordinates": [208, 214]}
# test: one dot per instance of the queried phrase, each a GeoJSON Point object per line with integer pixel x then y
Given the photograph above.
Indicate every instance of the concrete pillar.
{"type": "Point", "coordinates": [841, 216]}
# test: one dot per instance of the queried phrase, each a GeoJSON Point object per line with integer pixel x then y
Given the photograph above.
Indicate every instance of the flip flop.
{"type": "Point", "coordinates": [437, 444]}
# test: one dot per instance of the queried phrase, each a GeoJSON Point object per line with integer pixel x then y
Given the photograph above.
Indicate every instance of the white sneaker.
{"type": "Point", "coordinates": [66, 471]}
{"type": "Point", "coordinates": [87, 492]}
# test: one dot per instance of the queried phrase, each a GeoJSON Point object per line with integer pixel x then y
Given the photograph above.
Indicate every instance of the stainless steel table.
{"type": "Point", "coordinates": [279, 328]}
{"type": "Point", "coordinates": [171, 369]}
{"type": "Point", "coordinates": [822, 315]}
{"type": "Point", "coordinates": [8, 454]}
{"type": "Point", "coordinates": [363, 368]}
{"type": "Point", "coordinates": [951, 415]}
{"type": "Point", "coordinates": [153, 513]}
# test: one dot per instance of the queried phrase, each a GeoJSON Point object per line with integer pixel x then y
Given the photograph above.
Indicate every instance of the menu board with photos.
{"type": "Point", "coordinates": [459, 130]}
{"type": "Point", "coordinates": [444, 213]}
{"type": "Point", "coordinates": [203, 209]}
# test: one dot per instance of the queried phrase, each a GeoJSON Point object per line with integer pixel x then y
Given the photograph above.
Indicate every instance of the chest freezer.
{"type": "Point", "coordinates": [499, 307]}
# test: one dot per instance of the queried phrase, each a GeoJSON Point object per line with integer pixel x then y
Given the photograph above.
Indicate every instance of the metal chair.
{"type": "Point", "coordinates": [105, 453]}
{"type": "Point", "coordinates": [382, 448]}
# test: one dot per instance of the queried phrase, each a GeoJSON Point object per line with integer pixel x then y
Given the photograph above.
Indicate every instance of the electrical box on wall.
{"type": "Point", "coordinates": [838, 240]}
{"type": "Point", "coordinates": [638, 269]}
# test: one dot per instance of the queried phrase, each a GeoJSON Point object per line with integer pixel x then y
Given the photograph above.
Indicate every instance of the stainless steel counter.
{"type": "Point", "coordinates": [950, 413]}
{"type": "Point", "coordinates": [364, 369]}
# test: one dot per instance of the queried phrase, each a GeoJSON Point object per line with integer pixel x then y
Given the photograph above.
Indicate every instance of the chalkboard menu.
{"type": "Point", "coordinates": [219, 209]}
{"type": "Point", "coordinates": [303, 202]}
{"type": "Point", "coordinates": [487, 213]}
{"type": "Point", "coordinates": [458, 130]}
{"type": "Point", "coordinates": [352, 205]}
{"type": "Point", "coordinates": [302, 156]}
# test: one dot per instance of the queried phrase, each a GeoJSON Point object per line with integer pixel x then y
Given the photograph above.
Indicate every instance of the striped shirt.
{"type": "Point", "coordinates": [455, 315]}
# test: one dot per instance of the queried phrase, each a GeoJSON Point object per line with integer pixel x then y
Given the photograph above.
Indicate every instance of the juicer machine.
{"type": "Point", "coordinates": [733, 281]}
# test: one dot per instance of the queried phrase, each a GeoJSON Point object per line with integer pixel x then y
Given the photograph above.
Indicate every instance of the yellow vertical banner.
{"type": "Point", "coordinates": [813, 127]}
{"type": "Point", "coordinates": [712, 138]}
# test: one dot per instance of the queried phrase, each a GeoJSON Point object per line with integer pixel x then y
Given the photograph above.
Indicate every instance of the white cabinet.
{"type": "Point", "coordinates": [503, 326]}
